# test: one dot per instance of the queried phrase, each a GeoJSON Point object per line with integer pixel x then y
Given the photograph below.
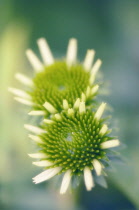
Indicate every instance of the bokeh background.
{"type": "Point", "coordinates": [111, 27]}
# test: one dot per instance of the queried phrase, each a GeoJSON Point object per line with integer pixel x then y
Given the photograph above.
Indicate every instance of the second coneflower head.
{"type": "Point", "coordinates": [75, 142]}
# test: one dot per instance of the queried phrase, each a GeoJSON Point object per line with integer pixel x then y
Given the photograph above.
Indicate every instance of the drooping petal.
{"type": "Point", "coordinates": [97, 166]}
{"type": "Point", "coordinates": [88, 178]}
{"type": "Point", "coordinates": [47, 174]}
{"type": "Point", "coordinates": [65, 182]}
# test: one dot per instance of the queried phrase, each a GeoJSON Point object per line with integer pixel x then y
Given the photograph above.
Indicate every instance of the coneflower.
{"type": "Point", "coordinates": [75, 142]}
{"type": "Point", "coordinates": [55, 80]}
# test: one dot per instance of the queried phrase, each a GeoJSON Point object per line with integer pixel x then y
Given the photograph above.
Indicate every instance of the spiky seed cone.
{"type": "Point", "coordinates": [77, 143]}
{"type": "Point", "coordinates": [57, 80]}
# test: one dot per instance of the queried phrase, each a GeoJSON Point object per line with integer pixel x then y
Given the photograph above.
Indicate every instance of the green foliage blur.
{"type": "Point", "coordinates": [111, 27]}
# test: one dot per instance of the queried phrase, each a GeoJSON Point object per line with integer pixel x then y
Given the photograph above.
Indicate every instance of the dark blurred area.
{"type": "Point", "coordinates": [112, 29]}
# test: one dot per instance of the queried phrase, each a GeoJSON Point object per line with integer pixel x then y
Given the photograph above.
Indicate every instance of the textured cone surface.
{"type": "Point", "coordinates": [74, 141]}
{"type": "Point", "coordinates": [57, 82]}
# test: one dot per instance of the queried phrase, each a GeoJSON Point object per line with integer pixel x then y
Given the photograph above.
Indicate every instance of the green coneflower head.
{"type": "Point", "coordinates": [75, 142]}
{"type": "Point", "coordinates": [55, 80]}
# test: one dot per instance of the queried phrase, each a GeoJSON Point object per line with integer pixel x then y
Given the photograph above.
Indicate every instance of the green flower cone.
{"type": "Point", "coordinates": [55, 80]}
{"type": "Point", "coordinates": [74, 142]}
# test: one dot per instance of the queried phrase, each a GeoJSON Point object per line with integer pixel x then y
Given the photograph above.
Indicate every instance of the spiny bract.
{"type": "Point", "coordinates": [56, 80]}
{"type": "Point", "coordinates": [75, 141]}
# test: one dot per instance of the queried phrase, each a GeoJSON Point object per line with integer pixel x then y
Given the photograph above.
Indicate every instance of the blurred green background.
{"type": "Point", "coordinates": [111, 27]}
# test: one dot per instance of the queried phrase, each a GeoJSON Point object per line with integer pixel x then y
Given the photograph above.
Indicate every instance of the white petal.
{"type": "Point", "coordinates": [110, 143]}
{"type": "Point", "coordinates": [98, 167]}
{"type": "Point", "coordinates": [48, 121]}
{"type": "Point", "coordinates": [70, 112]}
{"type": "Point", "coordinates": [45, 51]}
{"type": "Point", "coordinates": [65, 104]}
{"type": "Point", "coordinates": [71, 52]}
{"type": "Point", "coordinates": [94, 71]}
{"type": "Point", "coordinates": [43, 163]}
{"type": "Point", "coordinates": [34, 129]}
{"type": "Point", "coordinates": [65, 182]}
{"type": "Point", "coordinates": [58, 116]}
{"type": "Point", "coordinates": [34, 61]}
{"type": "Point", "coordinates": [77, 103]}
{"type": "Point", "coordinates": [92, 79]}
{"type": "Point", "coordinates": [104, 129]}
{"type": "Point", "coordinates": [24, 80]}
{"type": "Point", "coordinates": [19, 93]}
{"type": "Point", "coordinates": [36, 139]}
{"type": "Point", "coordinates": [82, 108]}
{"type": "Point", "coordinates": [37, 113]}
{"type": "Point", "coordinates": [94, 89]}
{"type": "Point", "coordinates": [50, 108]}
{"type": "Point", "coordinates": [96, 67]}
{"type": "Point", "coordinates": [83, 97]}
{"type": "Point", "coordinates": [38, 155]}
{"type": "Point", "coordinates": [88, 91]}
{"type": "Point", "coordinates": [89, 59]}
{"type": "Point", "coordinates": [24, 101]}
{"type": "Point", "coordinates": [88, 178]}
{"type": "Point", "coordinates": [100, 111]}
{"type": "Point", "coordinates": [46, 175]}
